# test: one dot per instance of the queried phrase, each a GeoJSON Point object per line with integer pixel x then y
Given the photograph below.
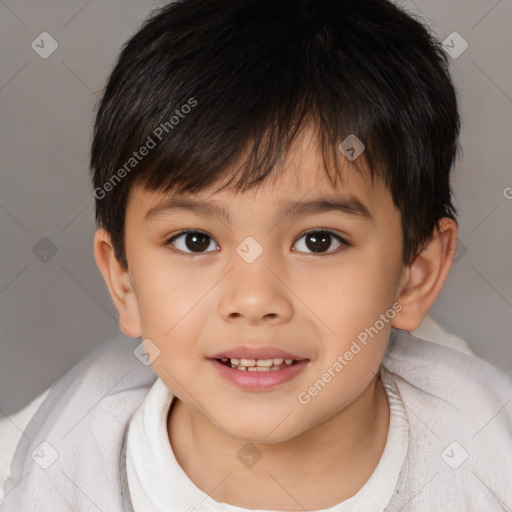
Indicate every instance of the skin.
{"type": "Point", "coordinates": [193, 305]}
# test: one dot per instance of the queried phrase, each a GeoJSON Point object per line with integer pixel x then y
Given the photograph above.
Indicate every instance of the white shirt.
{"type": "Point", "coordinates": [458, 455]}
{"type": "Point", "coordinates": [157, 483]}
{"type": "Point", "coordinates": [11, 427]}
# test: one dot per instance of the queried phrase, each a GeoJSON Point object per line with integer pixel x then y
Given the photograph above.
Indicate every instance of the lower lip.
{"type": "Point", "coordinates": [257, 380]}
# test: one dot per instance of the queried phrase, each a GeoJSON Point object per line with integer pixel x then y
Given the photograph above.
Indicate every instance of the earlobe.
{"type": "Point", "coordinates": [424, 278]}
{"type": "Point", "coordinates": [119, 284]}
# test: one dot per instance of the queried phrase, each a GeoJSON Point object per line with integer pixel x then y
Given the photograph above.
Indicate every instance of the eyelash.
{"type": "Point", "coordinates": [339, 238]}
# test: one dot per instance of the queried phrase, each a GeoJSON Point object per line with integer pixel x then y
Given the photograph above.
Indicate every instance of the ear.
{"type": "Point", "coordinates": [119, 284]}
{"type": "Point", "coordinates": [422, 281]}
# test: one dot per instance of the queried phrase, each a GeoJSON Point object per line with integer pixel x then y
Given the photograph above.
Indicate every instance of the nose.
{"type": "Point", "coordinates": [253, 293]}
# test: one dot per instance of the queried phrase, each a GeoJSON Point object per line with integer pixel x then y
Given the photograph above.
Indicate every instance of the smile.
{"type": "Point", "coordinates": [258, 374]}
{"type": "Point", "coordinates": [257, 365]}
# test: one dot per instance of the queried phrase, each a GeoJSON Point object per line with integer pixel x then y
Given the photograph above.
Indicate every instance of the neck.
{"type": "Point", "coordinates": [316, 469]}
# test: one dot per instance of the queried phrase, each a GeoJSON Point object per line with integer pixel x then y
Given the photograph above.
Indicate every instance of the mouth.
{"type": "Point", "coordinates": [260, 369]}
{"type": "Point", "coordinates": [257, 365]}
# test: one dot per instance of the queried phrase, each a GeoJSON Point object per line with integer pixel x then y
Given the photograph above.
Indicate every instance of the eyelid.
{"type": "Point", "coordinates": [325, 230]}
{"type": "Point", "coordinates": [334, 234]}
{"type": "Point", "coordinates": [170, 239]}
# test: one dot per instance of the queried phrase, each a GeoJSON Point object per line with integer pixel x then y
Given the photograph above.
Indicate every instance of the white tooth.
{"type": "Point", "coordinates": [262, 368]}
{"type": "Point", "coordinates": [235, 361]}
{"type": "Point", "coordinates": [247, 362]}
{"type": "Point", "coordinates": [224, 359]}
{"type": "Point", "coordinates": [264, 362]}
{"type": "Point", "coordinates": [277, 362]}
{"type": "Point", "coordinates": [252, 368]}
{"type": "Point", "coordinates": [274, 368]}
{"type": "Point", "coordinates": [240, 368]}
{"type": "Point", "coordinates": [288, 361]}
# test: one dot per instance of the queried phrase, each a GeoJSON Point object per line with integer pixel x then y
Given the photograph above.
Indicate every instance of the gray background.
{"type": "Point", "coordinates": [54, 312]}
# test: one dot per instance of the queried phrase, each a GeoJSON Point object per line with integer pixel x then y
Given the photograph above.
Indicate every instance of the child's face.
{"type": "Point", "coordinates": [214, 299]}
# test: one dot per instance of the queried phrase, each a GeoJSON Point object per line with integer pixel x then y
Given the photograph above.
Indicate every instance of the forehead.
{"type": "Point", "coordinates": [299, 184]}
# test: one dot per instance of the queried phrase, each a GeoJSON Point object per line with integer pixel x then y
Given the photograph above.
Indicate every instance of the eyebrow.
{"type": "Point", "coordinates": [349, 206]}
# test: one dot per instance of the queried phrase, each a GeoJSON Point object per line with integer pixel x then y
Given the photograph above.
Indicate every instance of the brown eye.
{"type": "Point", "coordinates": [320, 241]}
{"type": "Point", "coordinates": [194, 241]}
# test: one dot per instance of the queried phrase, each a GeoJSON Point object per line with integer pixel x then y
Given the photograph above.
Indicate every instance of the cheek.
{"type": "Point", "coordinates": [354, 293]}
{"type": "Point", "coordinates": [170, 307]}
{"type": "Point", "coordinates": [350, 299]}
{"type": "Point", "coordinates": [167, 291]}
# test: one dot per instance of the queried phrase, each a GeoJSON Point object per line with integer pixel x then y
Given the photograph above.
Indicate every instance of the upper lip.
{"type": "Point", "coordinates": [262, 352]}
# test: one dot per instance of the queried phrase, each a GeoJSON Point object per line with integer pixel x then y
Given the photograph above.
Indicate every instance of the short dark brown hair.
{"type": "Point", "coordinates": [219, 79]}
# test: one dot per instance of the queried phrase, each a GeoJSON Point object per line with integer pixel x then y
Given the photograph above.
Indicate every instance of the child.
{"type": "Point", "coordinates": [274, 216]}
